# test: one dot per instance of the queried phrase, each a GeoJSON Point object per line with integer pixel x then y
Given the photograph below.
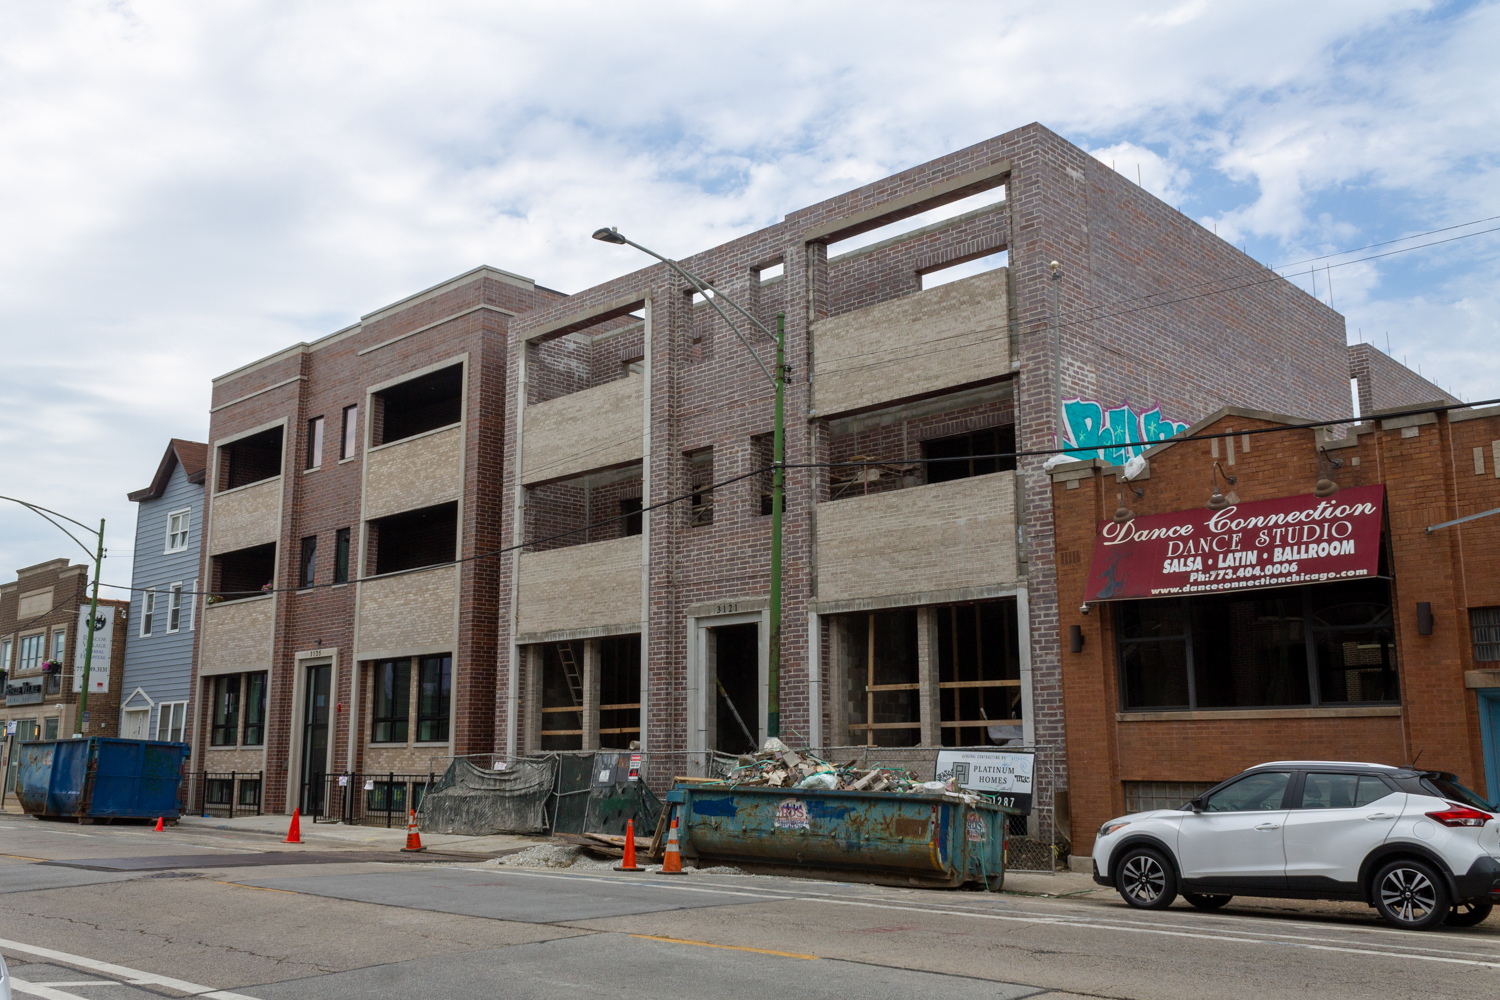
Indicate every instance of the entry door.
{"type": "Point", "coordinates": [315, 738]}
{"type": "Point", "coordinates": [135, 723]}
{"type": "Point", "coordinates": [1489, 728]}
{"type": "Point", "coordinates": [1237, 839]}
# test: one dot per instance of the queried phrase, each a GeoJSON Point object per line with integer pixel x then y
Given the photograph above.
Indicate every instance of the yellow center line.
{"type": "Point", "coordinates": [22, 857]}
{"type": "Point", "coordinates": [262, 888]}
{"type": "Point", "coordinates": [727, 947]}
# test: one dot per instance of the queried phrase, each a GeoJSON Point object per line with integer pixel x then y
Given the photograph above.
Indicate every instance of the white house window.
{"type": "Point", "coordinates": [169, 723]}
{"type": "Point", "coordinates": [148, 611]}
{"type": "Point", "coordinates": [31, 652]}
{"type": "Point", "coordinates": [4, 655]}
{"type": "Point", "coordinates": [59, 643]}
{"type": "Point", "coordinates": [174, 608]}
{"type": "Point", "coordinates": [177, 530]}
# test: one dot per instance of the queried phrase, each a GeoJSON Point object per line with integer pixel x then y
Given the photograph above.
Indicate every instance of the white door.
{"type": "Point", "coordinates": [135, 723]}
{"type": "Point", "coordinates": [1340, 819]}
{"type": "Point", "coordinates": [1238, 835]}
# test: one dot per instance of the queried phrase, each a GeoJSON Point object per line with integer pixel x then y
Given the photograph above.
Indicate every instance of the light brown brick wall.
{"type": "Point", "coordinates": [410, 611]}
{"type": "Point", "coordinates": [593, 429]}
{"type": "Point", "coordinates": [939, 537]}
{"type": "Point", "coordinates": [415, 473]}
{"type": "Point", "coordinates": [582, 586]}
{"type": "Point", "coordinates": [246, 517]}
{"type": "Point", "coordinates": [236, 636]}
{"type": "Point", "coordinates": [242, 759]}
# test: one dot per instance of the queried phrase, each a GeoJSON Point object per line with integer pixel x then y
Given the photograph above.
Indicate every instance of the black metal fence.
{"type": "Point", "coordinates": [223, 793]}
{"type": "Point", "coordinates": [363, 799]}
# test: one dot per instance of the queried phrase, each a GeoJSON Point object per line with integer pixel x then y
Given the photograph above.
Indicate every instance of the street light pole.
{"type": "Point", "coordinates": [778, 455]}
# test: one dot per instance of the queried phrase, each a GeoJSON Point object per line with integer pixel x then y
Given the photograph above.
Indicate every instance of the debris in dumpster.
{"type": "Point", "coordinates": [778, 766]}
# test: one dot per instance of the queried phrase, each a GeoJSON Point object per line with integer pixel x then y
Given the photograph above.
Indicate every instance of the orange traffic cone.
{"type": "Point", "coordinates": [294, 832]}
{"type": "Point", "coordinates": [629, 865]}
{"type": "Point", "coordinates": [159, 824]}
{"type": "Point", "coordinates": [671, 864]}
{"type": "Point", "coordinates": [413, 842]}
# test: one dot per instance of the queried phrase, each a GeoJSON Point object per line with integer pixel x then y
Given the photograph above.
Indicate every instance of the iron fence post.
{"type": "Point", "coordinates": [390, 796]}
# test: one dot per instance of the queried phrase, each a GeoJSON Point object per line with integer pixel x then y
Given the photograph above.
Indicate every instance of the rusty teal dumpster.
{"type": "Point", "coordinates": [101, 778]}
{"type": "Point", "coordinates": [933, 839]}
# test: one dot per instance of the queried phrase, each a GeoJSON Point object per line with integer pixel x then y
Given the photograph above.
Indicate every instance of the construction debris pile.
{"type": "Point", "coordinates": [778, 766]}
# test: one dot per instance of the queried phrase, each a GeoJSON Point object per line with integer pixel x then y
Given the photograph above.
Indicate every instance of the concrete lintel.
{"type": "Point", "coordinates": [1482, 678]}
{"type": "Point", "coordinates": [911, 204]}
{"type": "Point", "coordinates": [1352, 712]}
{"type": "Point", "coordinates": [603, 312]}
{"type": "Point", "coordinates": [958, 596]}
{"type": "Point", "coordinates": [362, 655]}
{"type": "Point", "coordinates": [570, 634]}
{"type": "Point", "coordinates": [1414, 420]}
{"type": "Point", "coordinates": [1074, 471]}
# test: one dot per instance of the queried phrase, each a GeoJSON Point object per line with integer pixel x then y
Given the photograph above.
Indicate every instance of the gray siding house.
{"type": "Point", "coordinates": [159, 654]}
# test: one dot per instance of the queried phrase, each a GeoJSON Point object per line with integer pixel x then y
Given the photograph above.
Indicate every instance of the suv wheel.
{"type": "Point", "coordinates": [1202, 902]}
{"type": "Point", "coordinates": [1411, 895]}
{"type": "Point", "coordinates": [1145, 879]}
{"type": "Point", "coordinates": [1468, 914]}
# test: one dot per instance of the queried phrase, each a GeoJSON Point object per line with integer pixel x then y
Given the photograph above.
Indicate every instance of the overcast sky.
{"type": "Point", "coordinates": [185, 187]}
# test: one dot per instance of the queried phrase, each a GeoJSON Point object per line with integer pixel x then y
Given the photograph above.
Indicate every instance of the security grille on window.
{"type": "Point", "coordinates": [148, 611]}
{"type": "Point", "coordinates": [1484, 624]}
{"type": "Point", "coordinates": [174, 608]}
{"type": "Point", "coordinates": [177, 530]}
{"type": "Point", "coordinates": [171, 717]}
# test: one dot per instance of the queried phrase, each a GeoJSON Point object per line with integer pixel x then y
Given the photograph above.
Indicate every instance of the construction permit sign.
{"type": "Point", "coordinates": [1004, 774]}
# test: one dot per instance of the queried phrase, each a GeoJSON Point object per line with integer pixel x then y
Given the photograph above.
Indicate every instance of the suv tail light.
{"type": "Point", "coordinates": [1457, 815]}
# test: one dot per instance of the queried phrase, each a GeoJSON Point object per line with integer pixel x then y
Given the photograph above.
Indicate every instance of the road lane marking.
{"type": "Point", "coordinates": [45, 991]}
{"type": "Point", "coordinates": [21, 857]}
{"type": "Point", "coordinates": [134, 977]}
{"type": "Point", "coordinates": [726, 947]}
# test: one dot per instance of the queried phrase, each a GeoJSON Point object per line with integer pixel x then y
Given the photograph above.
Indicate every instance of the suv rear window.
{"type": "Point", "coordinates": [1445, 786]}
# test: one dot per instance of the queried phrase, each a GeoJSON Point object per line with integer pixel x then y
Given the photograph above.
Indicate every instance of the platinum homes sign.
{"type": "Point", "coordinates": [1268, 543]}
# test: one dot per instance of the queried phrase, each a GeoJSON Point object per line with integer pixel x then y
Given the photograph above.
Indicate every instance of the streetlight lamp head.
{"type": "Point", "coordinates": [609, 235]}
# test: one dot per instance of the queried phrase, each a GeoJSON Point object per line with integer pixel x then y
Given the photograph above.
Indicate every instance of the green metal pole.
{"type": "Point", "coordinates": [778, 493]}
{"type": "Point", "coordinates": [88, 651]}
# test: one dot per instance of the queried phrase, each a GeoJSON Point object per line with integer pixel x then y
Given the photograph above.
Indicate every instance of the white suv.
{"type": "Point", "coordinates": [1416, 845]}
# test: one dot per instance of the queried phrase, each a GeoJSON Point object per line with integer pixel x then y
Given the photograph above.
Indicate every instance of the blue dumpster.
{"type": "Point", "coordinates": [925, 839]}
{"type": "Point", "coordinates": [101, 778]}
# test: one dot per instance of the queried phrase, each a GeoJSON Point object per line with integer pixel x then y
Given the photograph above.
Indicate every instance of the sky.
{"type": "Point", "coordinates": [185, 188]}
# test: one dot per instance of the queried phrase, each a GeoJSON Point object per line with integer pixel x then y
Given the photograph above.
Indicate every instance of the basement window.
{"type": "Point", "coordinates": [250, 460]}
{"type": "Point", "coordinates": [244, 573]}
{"type": "Point", "coordinates": [422, 404]}
{"type": "Point", "coordinates": [955, 456]}
{"type": "Point", "coordinates": [413, 539]}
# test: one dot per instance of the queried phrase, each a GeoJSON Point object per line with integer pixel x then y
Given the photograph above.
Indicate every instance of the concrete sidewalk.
{"type": "Point", "coordinates": [367, 837]}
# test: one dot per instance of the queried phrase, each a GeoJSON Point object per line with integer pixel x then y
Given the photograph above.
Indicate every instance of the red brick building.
{"type": "Point", "coordinates": [1168, 694]}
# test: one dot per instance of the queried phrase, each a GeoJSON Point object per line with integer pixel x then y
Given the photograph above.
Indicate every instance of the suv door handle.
{"type": "Point", "coordinates": [1381, 816]}
{"type": "Point", "coordinates": [1269, 826]}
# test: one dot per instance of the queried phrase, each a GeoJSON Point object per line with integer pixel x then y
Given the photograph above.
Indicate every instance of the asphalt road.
{"type": "Point", "coordinates": [122, 912]}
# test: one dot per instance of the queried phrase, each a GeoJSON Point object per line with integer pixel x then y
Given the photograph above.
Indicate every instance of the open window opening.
{"type": "Point", "coordinates": [961, 268]}
{"type": "Point", "coordinates": [250, 459]}
{"type": "Point", "coordinates": [562, 696]}
{"type": "Point", "coordinates": [419, 405]}
{"type": "Point", "coordinates": [989, 198]}
{"type": "Point", "coordinates": [700, 468]}
{"type": "Point", "coordinates": [763, 453]}
{"type": "Point", "coordinates": [594, 507]}
{"type": "Point", "coordinates": [962, 455]}
{"type": "Point", "coordinates": [619, 692]}
{"type": "Point", "coordinates": [979, 674]}
{"type": "Point", "coordinates": [601, 350]}
{"type": "Point", "coordinates": [880, 668]}
{"type": "Point", "coordinates": [244, 573]}
{"type": "Point", "coordinates": [413, 539]}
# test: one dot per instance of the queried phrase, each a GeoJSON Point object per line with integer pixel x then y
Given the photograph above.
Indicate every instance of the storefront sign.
{"type": "Point", "coordinates": [23, 692]}
{"type": "Point", "coordinates": [104, 636]}
{"type": "Point", "coordinates": [1005, 774]}
{"type": "Point", "coordinates": [1267, 543]}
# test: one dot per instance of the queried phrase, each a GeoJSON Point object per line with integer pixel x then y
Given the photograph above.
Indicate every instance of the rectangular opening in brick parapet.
{"type": "Point", "coordinates": [250, 459]}
{"type": "Point", "coordinates": [701, 480]}
{"type": "Point", "coordinates": [911, 223]}
{"type": "Point", "coordinates": [582, 359]}
{"type": "Point", "coordinates": [960, 268]}
{"type": "Point", "coordinates": [422, 404]}
{"type": "Point", "coordinates": [412, 539]}
{"type": "Point", "coordinates": [772, 273]}
{"type": "Point", "coordinates": [953, 427]}
{"type": "Point", "coordinates": [244, 573]}
{"type": "Point", "coordinates": [594, 507]}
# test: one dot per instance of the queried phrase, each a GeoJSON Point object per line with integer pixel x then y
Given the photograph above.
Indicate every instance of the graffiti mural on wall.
{"type": "Point", "coordinates": [1118, 433]}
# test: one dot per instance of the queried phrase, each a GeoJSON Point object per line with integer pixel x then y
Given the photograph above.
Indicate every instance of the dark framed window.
{"type": "Point", "coordinates": [218, 791]}
{"type": "Point", "coordinates": [392, 701]}
{"type": "Point", "coordinates": [1484, 629]}
{"type": "Point", "coordinates": [630, 510]}
{"type": "Point", "coordinates": [341, 556]}
{"type": "Point", "coordinates": [249, 791]}
{"type": "Point", "coordinates": [348, 443]}
{"type": "Point", "coordinates": [955, 454]}
{"type": "Point", "coordinates": [226, 710]}
{"type": "Point", "coordinates": [434, 693]}
{"type": "Point", "coordinates": [308, 567]}
{"type": "Point", "coordinates": [1321, 644]}
{"type": "Point", "coordinates": [255, 709]}
{"type": "Point", "coordinates": [315, 443]}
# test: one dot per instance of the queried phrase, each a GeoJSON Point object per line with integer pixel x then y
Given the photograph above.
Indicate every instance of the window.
{"type": "Point", "coordinates": [31, 652]}
{"type": "Point", "coordinates": [315, 443]}
{"type": "Point", "coordinates": [148, 610]}
{"type": "Point", "coordinates": [250, 791]}
{"type": "Point", "coordinates": [1262, 790]}
{"type": "Point", "coordinates": [309, 564]}
{"type": "Point", "coordinates": [619, 691]}
{"type": "Point", "coordinates": [4, 656]}
{"type": "Point", "coordinates": [250, 459]}
{"type": "Point", "coordinates": [434, 691]}
{"type": "Point", "coordinates": [218, 791]}
{"type": "Point", "coordinates": [1484, 626]}
{"type": "Point", "coordinates": [347, 442]}
{"type": "Point", "coordinates": [422, 404]}
{"type": "Point", "coordinates": [386, 796]}
{"type": "Point", "coordinates": [59, 644]}
{"type": "Point", "coordinates": [882, 685]}
{"type": "Point", "coordinates": [245, 573]}
{"type": "Point", "coordinates": [1342, 791]}
{"type": "Point", "coordinates": [341, 556]}
{"type": "Point", "coordinates": [392, 699]}
{"type": "Point", "coordinates": [226, 709]}
{"type": "Point", "coordinates": [171, 715]}
{"type": "Point", "coordinates": [701, 478]}
{"type": "Point", "coordinates": [177, 530]}
{"type": "Point", "coordinates": [174, 608]}
{"type": "Point", "coordinates": [952, 457]}
{"type": "Point", "coordinates": [49, 729]}
{"type": "Point", "coordinates": [979, 674]}
{"type": "Point", "coordinates": [255, 710]}
{"type": "Point", "coordinates": [630, 510]}
{"type": "Point", "coordinates": [417, 538]}
{"type": "Point", "coordinates": [1324, 644]}
{"type": "Point", "coordinates": [1144, 796]}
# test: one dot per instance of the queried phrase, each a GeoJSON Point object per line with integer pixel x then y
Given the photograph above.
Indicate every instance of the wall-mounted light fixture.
{"type": "Point", "coordinates": [1326, 487]}
{"type": "Point", "coordinates": [1124, 513]}
{"type": "Point", "coordinates": [1217, 500]}
{"type": "Point", "coordinates": [1075, 638]}
{"type": "Point", "coordinates": [1424, 618]}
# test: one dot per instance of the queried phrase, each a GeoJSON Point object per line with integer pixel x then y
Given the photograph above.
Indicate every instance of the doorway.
{"type": "Point", "coordinates": [1489, 732]}
{"type": "Point", "coordinates": [736, 678]}
{"type": "Point", "coordinates": [315, 738]}
{"type": "Point", "coordinates": [136, 720]}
